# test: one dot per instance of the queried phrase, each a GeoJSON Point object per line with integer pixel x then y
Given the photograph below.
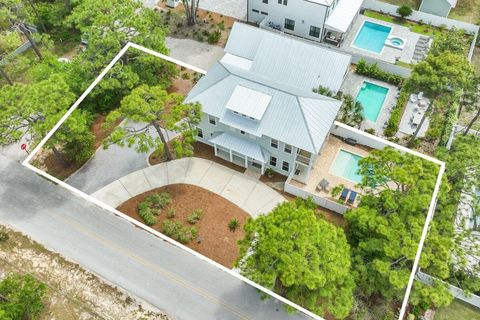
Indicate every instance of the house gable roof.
{"type": "Point", "coordinates": [294, 116]}
{"type": "Point", "coordinates": [272, 56]}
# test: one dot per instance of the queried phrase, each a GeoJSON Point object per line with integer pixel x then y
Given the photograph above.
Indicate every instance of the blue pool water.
{"type": "Point", "coordinates": [346, 165]}
{"type": "Point", "coordinates": [372, 97]}
{"type": "Point", "coordinates": [372, 36]}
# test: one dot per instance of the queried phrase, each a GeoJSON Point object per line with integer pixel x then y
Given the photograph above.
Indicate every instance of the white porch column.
{"type": "Point", "coordinates": [263, 169]}
{"type": "Point", "coordinates": [246, 162]}
{"type": "Point", "coordinates": [215, 148]}
{"type": "Point", "coordinates": [231, 156]}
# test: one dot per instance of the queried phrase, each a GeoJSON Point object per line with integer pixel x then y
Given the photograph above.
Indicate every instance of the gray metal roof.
{"type": "Point", "coordinates": [288, 60]}
{"type": "Point", "coordinates": [248, 102]}
{"type": "Point", "coordinates": [298, 117]}
{"type": "Point", "coordinates": [242, 146]}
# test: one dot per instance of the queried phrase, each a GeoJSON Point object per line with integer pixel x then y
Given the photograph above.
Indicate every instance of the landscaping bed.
{"type": "Point", "coordinates": [47, 161]}
{"type": "Point", "coordinates": [210, 27]}
{"type": "Point", "coordinates": [214, 239]}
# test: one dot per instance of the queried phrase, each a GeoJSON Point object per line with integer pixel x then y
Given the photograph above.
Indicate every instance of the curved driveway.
{"type": "Point", "coordinates": [248, 193]}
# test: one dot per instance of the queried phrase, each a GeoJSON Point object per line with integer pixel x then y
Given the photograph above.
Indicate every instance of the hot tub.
{"type": "Point", "coordinates": [395, 42]}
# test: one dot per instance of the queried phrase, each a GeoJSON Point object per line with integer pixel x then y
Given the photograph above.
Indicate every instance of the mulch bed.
{"type": "Point", "coordinates": [216, 240]}
{"type": "Point", "coordinates": [47, 160]}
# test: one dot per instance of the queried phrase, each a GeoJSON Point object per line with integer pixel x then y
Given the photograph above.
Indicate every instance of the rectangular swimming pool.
{"type": "Point", "coordinates": [372, 36]}
{"type": "Point", "coordinates": [372, 97]}
{"type": "Point", "coordinates": [346, 166]}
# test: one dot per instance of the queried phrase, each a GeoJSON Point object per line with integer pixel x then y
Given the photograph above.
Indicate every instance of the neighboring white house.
{"type": "Point", "coordinates": [438, 7]}
{"type": "Point", "coordinates": [318, 20]}
{"type": "Point", "coordinates": [258, 104]}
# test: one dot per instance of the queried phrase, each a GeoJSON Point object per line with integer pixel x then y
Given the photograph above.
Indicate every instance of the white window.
{"type": "Point", "coordinates": [287, 148]}
{"type": "Point", "coordinates": [274, 143]}
{"type": "Point", "coordinates": [255, 10]}
{"type": "Point", "coordinates": [314, 32]}
{"type": "Point", "coordinates": [273, 161]}
{"type": "Point", "coordinates": [265, 14]}
{"type": "Point", "coordinates": [199, 132]}
{"type": "Point", "coordinates": [285, 166]}
{"type": "Point", "coordinates": [212, 120]}
{"type": "Point", "coordinates": [242, 132]}
{"type": "Point", "coordinates": [289, 24]}
{"type": "Point", "coordinates": [265, 1]}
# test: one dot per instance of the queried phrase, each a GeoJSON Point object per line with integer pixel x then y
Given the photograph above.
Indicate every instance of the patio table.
{"type": "Point", "coordinates": [417, 117]}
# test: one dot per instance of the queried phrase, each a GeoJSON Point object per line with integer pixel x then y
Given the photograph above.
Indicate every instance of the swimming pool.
{"type": "Point", "coordinates": [346, 166]}
{"type": "Point", "coordinates": [372, 36]}
{"type": "Point", "coordinates": [372, 97]}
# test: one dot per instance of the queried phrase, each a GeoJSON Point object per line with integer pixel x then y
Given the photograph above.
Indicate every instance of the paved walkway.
{"type": "Point", "coordinates": [249, 194]}
{"type": "Point", "coordinates": [169, 278]}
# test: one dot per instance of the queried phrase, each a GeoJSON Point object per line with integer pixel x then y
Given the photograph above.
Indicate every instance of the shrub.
{"type": "Point", "coordinates": [221, 25]}
{"type": "Point", "coordinates": [158, 200]}
{"type": "Point", "coordinates": [323, 91]}
{"type": "Point", "coordinates": [404, 11]}
{"type": "Point", "coordinates": [147, 215]}
{"type": "Point", "coordinates": [179, 232]}
{"type": "Point", "coordinates": [24, 297]}
{"type": "Point", "coordinates": [195, 216]}
{"type": "Point", "coordinates": [170, 213]}
{"type": "Point", "coordinates": [4, 236]}
{"type": "Point", "coordinates": [373, 71]}
{"type": "Point", "coordinates": [233, 225]}
{"type": "Point", "coordinates": [214, 37]}
{"type": "Point", "coordinates": [370, 130]}
{"type": "Point", "coordinates": [397, 112]}
{"type": "Point", "coordinates": [185, 76]}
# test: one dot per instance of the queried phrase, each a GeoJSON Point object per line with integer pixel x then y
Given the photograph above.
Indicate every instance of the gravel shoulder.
{"type": "Point", "coordinates": [73, 292]}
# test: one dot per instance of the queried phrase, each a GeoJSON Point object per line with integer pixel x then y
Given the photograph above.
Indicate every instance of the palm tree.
{"type": "Point", "coordinates": [351, 112]}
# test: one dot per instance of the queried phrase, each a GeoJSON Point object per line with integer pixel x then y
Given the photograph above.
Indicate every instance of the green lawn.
{"type": "Point", "coordinates": [458, 310]}
{"type": "Point", "coordinates": [414, 4]}
{"type": "Point", "coordinates": [414, 27]}
{"type": "Point", "coordinates": [466, 10]}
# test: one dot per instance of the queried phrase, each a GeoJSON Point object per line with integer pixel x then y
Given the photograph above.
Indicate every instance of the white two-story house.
{"type": "Point", "coordinates": [258, 104]}
{"type": "Point", "coordinates": [317, 20]}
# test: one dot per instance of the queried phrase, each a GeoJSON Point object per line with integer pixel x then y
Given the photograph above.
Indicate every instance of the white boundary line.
{"type": "Point", "coordinates": [77, 192]}
{"type": "Point", "coordinates": [430, 213]}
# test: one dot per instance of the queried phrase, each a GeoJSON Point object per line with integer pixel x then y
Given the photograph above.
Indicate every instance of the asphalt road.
{"type": "Point", "coordinates": [163, 275]}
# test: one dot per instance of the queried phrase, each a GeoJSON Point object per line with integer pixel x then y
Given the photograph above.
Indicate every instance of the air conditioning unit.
{"type": "Point", "coordinates": [173, 3]}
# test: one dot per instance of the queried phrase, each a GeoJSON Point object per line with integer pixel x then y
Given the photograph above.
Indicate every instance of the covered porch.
{"type": "Point", "coordinates": [240, 151]}
{"type": "Point", "coordinates": [340, 21]}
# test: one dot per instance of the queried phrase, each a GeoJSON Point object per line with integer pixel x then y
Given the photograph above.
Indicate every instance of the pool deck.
{"type": "Point", "coordinates": [352, 85]}
{"type": "Point", "coordinates": [388, 54]}
{"type": "Point", "coordinates": [321, 168]}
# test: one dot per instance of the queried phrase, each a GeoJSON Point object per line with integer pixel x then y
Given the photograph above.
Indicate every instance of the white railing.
{"type": "Point", "coordinates": [457, 293]}
{"type": "Point", "coordinates": [303, 159]}
{"type": "Point", "coordinates": [321, 201]}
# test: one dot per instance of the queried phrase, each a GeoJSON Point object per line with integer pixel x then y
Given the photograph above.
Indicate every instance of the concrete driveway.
{"type": "Point", "coordinates": [108, 165]}
{"type": "Point", "coordinates": [246, 192]}
{"type": "Point", "coordinates": [199, 54]}
{"type": "Point", "coordinates": [167, 277]}
{"type": "Point", "coordinates": [231, 8]}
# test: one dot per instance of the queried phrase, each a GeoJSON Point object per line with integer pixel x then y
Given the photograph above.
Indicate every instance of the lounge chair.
{"type": "Point", "coordinates": [351, 198]}
{"type": "Point", "coordinates": [344, 194]}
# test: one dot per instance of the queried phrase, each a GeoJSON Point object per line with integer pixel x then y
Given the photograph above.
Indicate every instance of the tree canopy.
{"type": "Point", "coordinates": [301, 256]}
{"type": "Point", "coordinates": [385, 229]}
{"type": "Point", "coordinates": [153, 107]}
